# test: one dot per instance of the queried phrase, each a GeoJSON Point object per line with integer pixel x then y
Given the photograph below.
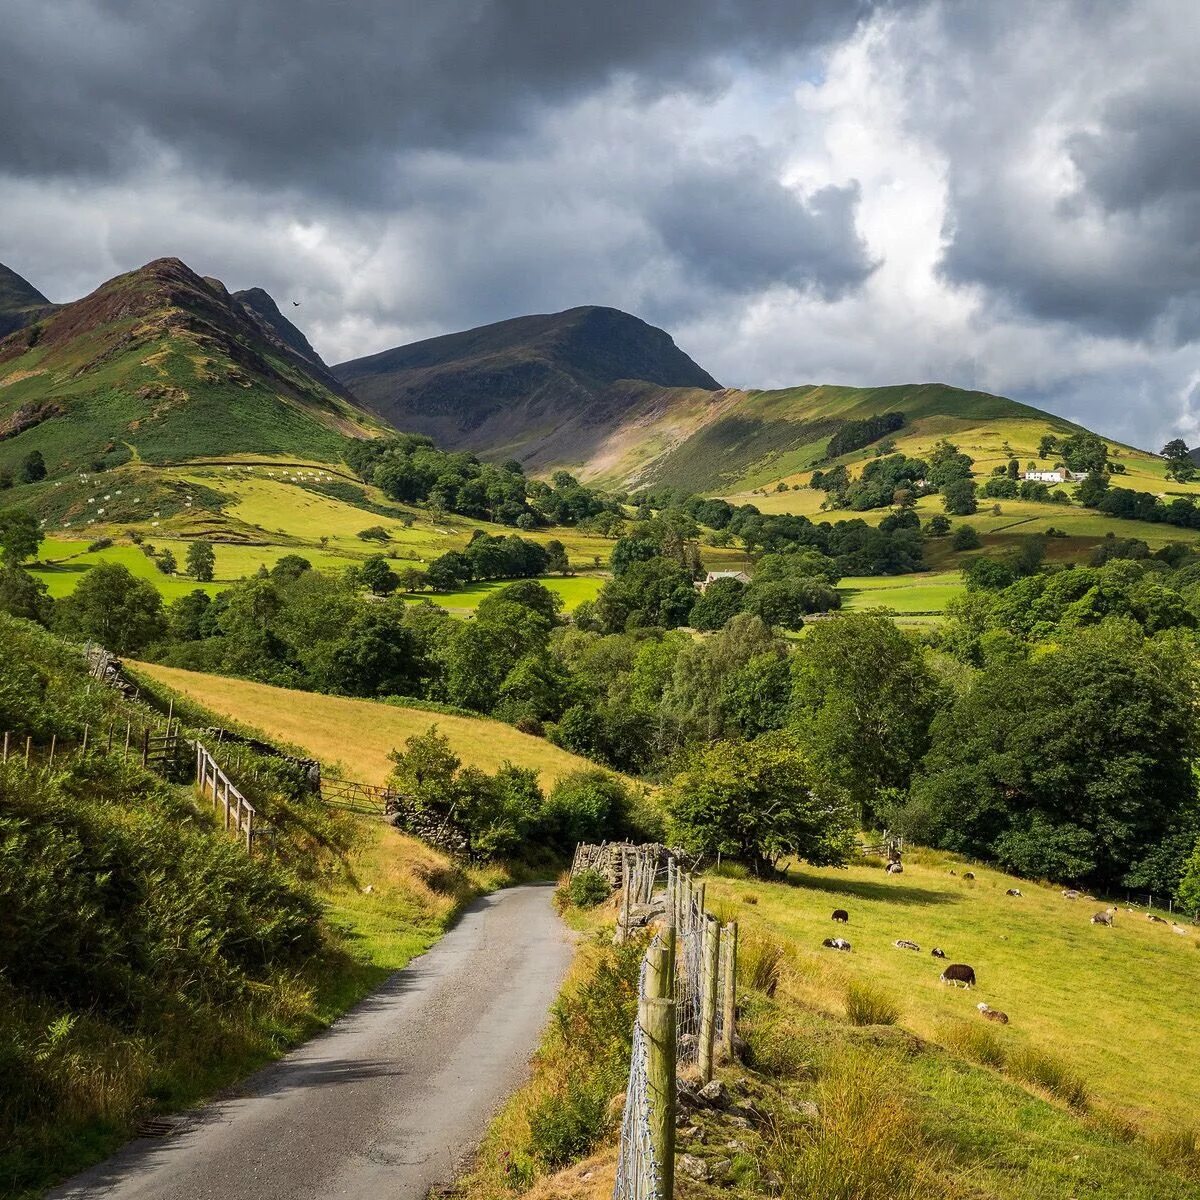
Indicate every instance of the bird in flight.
{"type": "Point", "coordinates": [295, 303]}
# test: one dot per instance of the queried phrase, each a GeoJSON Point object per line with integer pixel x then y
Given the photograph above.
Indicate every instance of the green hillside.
{"type": "Point", "coordinates": [161, 365]}
{"type": "Point", "coordinates": [20, 302]}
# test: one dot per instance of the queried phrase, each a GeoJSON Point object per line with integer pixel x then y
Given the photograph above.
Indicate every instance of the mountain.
{"type": "Point", "coordinates": [543, 389]}
{"type": "Point", "coordinates": [21, 304]}
{"type": "Point", "coordinates": [163, 365]}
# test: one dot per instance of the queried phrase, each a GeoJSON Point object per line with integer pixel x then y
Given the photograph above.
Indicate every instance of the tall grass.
{"type": "Point", "coordinates": [865, 1144]}
{"type": "Point", "coordinates": [1049, 1072]}
{"type": "Point", "coordinates": [760, 964]}
{"type": "Point", "coordinates": [867, 1004]}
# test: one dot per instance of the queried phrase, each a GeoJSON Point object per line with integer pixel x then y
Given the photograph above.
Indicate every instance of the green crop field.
{"type": "Point", "coordinates": [1116, 1004]}
{"type": "Point", "coordinates": [333, 727]}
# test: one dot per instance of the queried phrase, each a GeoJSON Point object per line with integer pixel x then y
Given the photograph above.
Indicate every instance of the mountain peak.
{"type": "Point", "coordinates": [21, 304]}
{"type": "Point", "coordinates": [528, 387]}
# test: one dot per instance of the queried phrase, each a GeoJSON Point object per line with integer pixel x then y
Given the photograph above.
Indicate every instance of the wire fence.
{"type": "Point", "coordinates": [687, 1004]}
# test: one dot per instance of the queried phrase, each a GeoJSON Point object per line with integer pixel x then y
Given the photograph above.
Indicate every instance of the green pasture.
{"type": "Point", "coordinates": [1118, 1005]}
{"type": "Point", "coordinates": [573, 590]}
{"type": "Point", "coordinates": [908, 594]}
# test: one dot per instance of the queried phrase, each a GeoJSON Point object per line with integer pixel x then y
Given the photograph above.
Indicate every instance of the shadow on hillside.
{"type": "Point", "coordinates": [862, 889]}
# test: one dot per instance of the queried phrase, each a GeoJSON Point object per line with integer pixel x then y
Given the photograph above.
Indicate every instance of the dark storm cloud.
{"type": "Point", "coordinates": [309, 93]}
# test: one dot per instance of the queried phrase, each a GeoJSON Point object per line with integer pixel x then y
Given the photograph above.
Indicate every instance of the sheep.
{"type": "Point", "coordinates": [937, 952]}
{"type": "Point", "coordinates": [840, 914]}
{"type": "Point", "coordinates": [1070, 894]}
{"type": "Point", "coordinates": [957, 973]}
{"type": "Point", "coordinates": [968, 874]}
{"type": "Point", "coordinates": [1104, 918]}
{"type": "Point", "coordinates": [953, 871]}
{"type": "Point", "coordinates": [836, 943]}
{"type": "Point", "coordinates": [1013, 892]}
{"type": "Point", "coordinates": [1180, 929]}
{"type": "Point", "coordinates": [992, 1014]}
{"type": "Point", "coordinates": [894, 868]}
{"type": "Point", "coordinates": [904, 944]}
{"type": "Point", "coordinates": [1152, 917]}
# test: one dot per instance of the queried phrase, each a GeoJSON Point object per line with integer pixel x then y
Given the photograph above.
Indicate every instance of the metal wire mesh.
{"type": "Point", "coordinates": [639, 1174]}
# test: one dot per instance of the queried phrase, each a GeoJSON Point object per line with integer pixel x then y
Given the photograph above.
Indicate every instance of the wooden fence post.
{"type": "Point", "coordinates": [145, 746]}
{"type": "Point", "coordinates": [128, 732]}
{"type": "Point", "coordinates": [5, 759]}
{"type": "Point", "coordinates": [708, 997]}
{"type": "Point", "coordinates": [28, 749]}
{"type": "Point", "coordinates": [656, 1012]}
{"type": "Point", "coordinates": [729, 1000]}
{"type": "Point", "coordinates": [83, 748]}
{"type": "Point", "coordinates": [53, 744]}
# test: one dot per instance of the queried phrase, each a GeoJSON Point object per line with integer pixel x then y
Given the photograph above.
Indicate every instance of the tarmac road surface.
{"type": "Point", "coordinates": [387, 1102]}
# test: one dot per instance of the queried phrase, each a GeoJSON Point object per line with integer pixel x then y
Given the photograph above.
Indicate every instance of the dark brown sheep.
{"type": "Point", "coordinates": [957, 973]}
{"type": "Point", "coordinates": [1013, 892]}
{"type": "Point", "coordinates": [968, 875]}
{"type": "Point", "coordinates": [992, 1014]}
{"type": "Point", "coordinates": [894, 868]}
{"type": "Point", "coordinates": [840, 914]}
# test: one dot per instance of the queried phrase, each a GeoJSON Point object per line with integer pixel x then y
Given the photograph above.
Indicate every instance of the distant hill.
{"type": "Point", "coordinates": [164, 365]}
{"type": "Point", "coordinates": [21, 304]}
{"type": "Point", "coordinates": [543, 389]}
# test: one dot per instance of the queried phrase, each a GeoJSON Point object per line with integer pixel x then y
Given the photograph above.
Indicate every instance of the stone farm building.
{"type": "Point", "coordinates": [1058, 475]}
{"type": "Point", "coordinates": [713, 576]}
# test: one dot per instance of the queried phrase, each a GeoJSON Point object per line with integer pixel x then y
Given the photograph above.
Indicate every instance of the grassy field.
{"type": "Point", "coordinates": [573, 590]}
{"type": "Point", "coordinates": [1117, 1004]}
{"type": "Point", "coordinates": [908, 594]}
{"type": "Point", "coordinates": [358, 735]}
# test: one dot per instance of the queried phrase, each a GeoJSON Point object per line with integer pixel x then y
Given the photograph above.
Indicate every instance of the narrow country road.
{"type": "Point", "coordinates": [387, 1101]}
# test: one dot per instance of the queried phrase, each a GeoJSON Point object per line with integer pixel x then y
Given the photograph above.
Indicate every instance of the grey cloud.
{"type": "Point", "coordinates": [325, 95]}
{"type": "Point", "coordinates": [739, 230]}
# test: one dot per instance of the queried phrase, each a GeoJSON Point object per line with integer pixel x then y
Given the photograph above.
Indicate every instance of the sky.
{"type": "Point", "coordinates": [997, 195]}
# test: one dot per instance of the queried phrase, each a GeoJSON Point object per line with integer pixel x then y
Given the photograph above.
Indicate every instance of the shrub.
{"type": "Point", "coordinates": [374, 533]}
{"type": "Point", "coordinates": [100, 544]}
{"type": "Point", "coordinates": [966, 537]}
{"type": "Point", "coordinates": [588, 888]}
{"type": "Point", "coordinates": [531, 726]}
{"type": "Point", "coordinates": [868, 1005]}
{"type": "Point", "coordinates": [564, 1127]}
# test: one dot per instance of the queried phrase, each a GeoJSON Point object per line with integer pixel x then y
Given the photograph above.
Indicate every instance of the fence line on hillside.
{"type": "Point", "coordinates": [236, 810]}
{"type": "Point", "coordinates": [687, 1004]}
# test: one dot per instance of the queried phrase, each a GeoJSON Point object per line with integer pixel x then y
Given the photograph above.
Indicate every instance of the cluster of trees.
{"type": "Point", "coordinates": [1082, 452]}
{"type": "Point", "coordinates": [1126, 504]}
{"type": "Point", "coordinates": [1179, 461]}
{"type": "Point", "coordinates": [489, 557]}
{"type": "Point", "coordinates": [1004, 487]}
{"type": "Point", "coordinates": [854, 435]}
{"type": "Point", "coordinates": [410, 468]}
{"type": "Point", "coordinates": [900, 480]}
{"type": "Point", "coordinates": [507, 814]}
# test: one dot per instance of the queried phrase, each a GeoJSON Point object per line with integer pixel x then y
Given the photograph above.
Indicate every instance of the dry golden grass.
{"type": "Point", "coordinates": [358, 735]}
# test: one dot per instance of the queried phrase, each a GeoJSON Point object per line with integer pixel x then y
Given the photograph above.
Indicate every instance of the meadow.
{"type": "Point", "coordinates": [356, 736]}
{"type": "Point", "coordinates": [922, 594]}
{"type": "Point", "coordinates": [1116, 1005]}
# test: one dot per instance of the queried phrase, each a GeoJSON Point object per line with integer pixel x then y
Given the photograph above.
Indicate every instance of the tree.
{"type": "Point", "coordinates": [862, 700]}
{"type": "Point", "coordinates": [1080, 779]}
{"type": "Point", "coordinates": [33, 467]}
{"type": "Point", "coordinates": [21, 595]}
{"type": "Point", "coordinates": [1047, 446]}
{"type": "Point", "coordinates": [201, 560]}
{"type": "Point", "coordinates": [654, 592]}
{"type": "Point", "coordinates": [378, 576]}
{"type": "Point", "coordinates": [1174, 449]}
{"type": "Point", "coordinates": [718, 602]}
{"type": "Point", "coordinates": [958, 498]}
{"type": "Point", "coordinates": [1182, 470]}
{"type": "Point", "coordinates": [937, 526]}
{"type": "Point", "coordinates": [760, 801]}
{"type": "Point", "coordinates": [20, 536]}
{"type": "Point", "coordinates": [1189, 885]}
{"type": "Point", "coordinates": [556, 558]}
{"type": "Point", "coordinates": [289, 568]}
{"type": "Point", "coordinates": [1014, 469]}
{"type": "Point", "coordinates": [166, 563]}
{"type": "Point", "coordinates": [113, 607]}
{"type": "Point", "coordinates": [966, 537]}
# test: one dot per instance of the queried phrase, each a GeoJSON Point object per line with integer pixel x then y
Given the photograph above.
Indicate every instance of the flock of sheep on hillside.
{"type": "Point", "coordinates": [960, 973]}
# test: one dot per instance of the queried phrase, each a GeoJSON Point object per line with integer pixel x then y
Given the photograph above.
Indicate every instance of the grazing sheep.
{"type": "Point", "coordinates": [1103, 918]}
{"type": "Point", "coordinates": [840, 914]}
{"type": "Point", "coordinates": [992, 1014]}
{"type": "Point", "coordinates": [895, 868]}
{"type": "Point", "coordinates": [1013, 892]}
{"type": "Point", "coordinates": [936, 952]}
{"type": "Point", "coordinates": [968, 874]}
{"type": "Point", "coordinates": [903, 944]}
{"type": "Point", "coordinates": [836, 944]}
{"type": "Point", "coordinates": [1180, 929]}
{"type": "Point", "coordinates": [1152, 917]}
{"type": "Point", "coordinates": [957, 973]}
{"type": "Point", "coordinates": [1070, 894]}
{"type": "Point", "coordinates": [953, 871]}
